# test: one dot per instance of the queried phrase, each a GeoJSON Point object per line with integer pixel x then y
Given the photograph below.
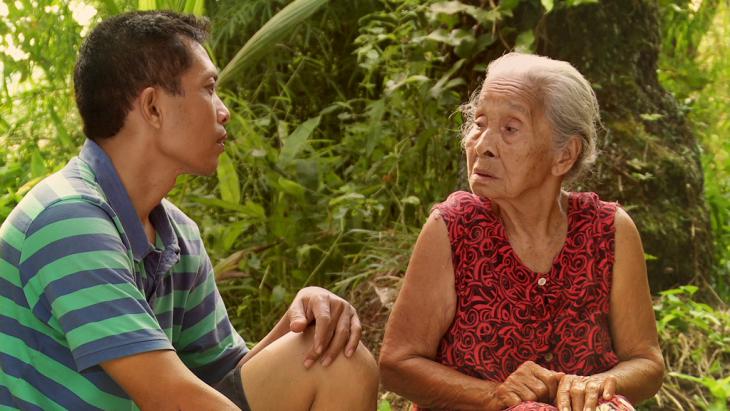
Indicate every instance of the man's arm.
{"type": "Point", "coordinates": [158, 380]}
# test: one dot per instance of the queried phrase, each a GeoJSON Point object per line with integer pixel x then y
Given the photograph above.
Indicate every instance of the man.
{"type": "Point", "coordinates": [107, 296]}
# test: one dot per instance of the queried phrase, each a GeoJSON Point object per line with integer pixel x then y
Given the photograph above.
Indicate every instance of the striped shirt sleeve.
{"type": "Point", "coordinates": [209, 344]}
{"type": "Point", "coordinates": [78, 277]}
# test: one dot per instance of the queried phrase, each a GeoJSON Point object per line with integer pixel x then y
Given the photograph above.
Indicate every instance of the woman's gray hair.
{"type": "Point", "coordinates": [568, 100]}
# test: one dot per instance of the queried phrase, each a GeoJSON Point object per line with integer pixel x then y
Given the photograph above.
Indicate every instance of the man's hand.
{"type": "Point", "coordinates": [336, 324]}
{"type": "Point", "coordinates": [529, 382]}
{"type": "Point", "coordinates": [583, 393]}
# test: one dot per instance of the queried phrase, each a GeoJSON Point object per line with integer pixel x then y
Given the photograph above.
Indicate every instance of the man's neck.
{"type": "Point", "coordinates": [146, 178]}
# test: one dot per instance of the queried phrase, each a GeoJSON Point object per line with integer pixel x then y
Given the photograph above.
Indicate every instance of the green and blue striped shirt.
{"type": "Point", "coordinates": [80, 284]}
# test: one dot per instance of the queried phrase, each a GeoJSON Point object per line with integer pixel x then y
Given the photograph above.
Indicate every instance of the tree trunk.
{"type": "Point", "coordinates": [650, 160]}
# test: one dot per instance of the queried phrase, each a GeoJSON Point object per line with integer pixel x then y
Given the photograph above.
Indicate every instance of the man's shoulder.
{"type": "Point", "coordinates": [72, 189]}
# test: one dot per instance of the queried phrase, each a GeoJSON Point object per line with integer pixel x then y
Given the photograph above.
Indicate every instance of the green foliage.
{"type": "Point", "coordinates": [344, 132]}
{"type": "Point", "coordinates": [38, 120]}
{"type": "Point", "coordinates": [271, 33]}
{"type": "Point", "coordinates": [695, 341]}
{"type": "Point", "coordinates": [695, 66]}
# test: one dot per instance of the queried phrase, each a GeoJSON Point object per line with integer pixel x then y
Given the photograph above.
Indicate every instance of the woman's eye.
{"type": "Point", "coordinates": [511, 128]}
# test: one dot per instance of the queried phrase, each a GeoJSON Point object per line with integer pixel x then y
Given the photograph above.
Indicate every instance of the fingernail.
{"type": "Point", "coordinates": [308, 363]}
{"type": "Point", "coordinates": [326, 362]}
{"type": "Point", "coordinates": [565, 409]}
{"type": "Point", "coordinates": [349, 353]}
{"type": "Point", "coordinates": [318, 349]}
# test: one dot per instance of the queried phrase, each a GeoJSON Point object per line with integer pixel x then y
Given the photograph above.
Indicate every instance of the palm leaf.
{"type": "Point", "coordinates": [147, 5]}
{"type": "Point", "coordinates": [263, 41]}
{"type": "Point", "coordinates": [196, 7]}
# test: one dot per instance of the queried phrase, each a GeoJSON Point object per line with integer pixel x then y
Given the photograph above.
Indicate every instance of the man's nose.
{"type": "Point", "coordinates": [224, 116]}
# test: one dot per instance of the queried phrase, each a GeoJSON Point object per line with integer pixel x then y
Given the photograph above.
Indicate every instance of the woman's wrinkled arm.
{"type": "Point", "coordinates": [421, 315]}
{"type": "Point", "coordinates": [633, 326]}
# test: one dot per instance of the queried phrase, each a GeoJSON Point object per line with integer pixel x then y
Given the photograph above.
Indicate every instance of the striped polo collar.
{"type": "Point", "coordinates": [118, 198]}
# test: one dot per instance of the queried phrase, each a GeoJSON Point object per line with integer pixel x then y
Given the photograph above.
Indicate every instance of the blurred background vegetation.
{"type": "Point", "coordinates": [345, 133]}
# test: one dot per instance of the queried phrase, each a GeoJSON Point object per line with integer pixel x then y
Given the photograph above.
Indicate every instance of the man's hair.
{"type": "Point", "coordinates": [125, 54]}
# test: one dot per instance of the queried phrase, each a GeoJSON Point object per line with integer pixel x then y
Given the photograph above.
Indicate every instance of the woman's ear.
{"type": "Point", "coordinates": [567, 156]}
{"type": "Point", "coordinates": [149, 101]}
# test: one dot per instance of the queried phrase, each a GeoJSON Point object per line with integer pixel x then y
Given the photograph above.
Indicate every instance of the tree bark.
{"type": "Point", "coordinates": [650, 159]}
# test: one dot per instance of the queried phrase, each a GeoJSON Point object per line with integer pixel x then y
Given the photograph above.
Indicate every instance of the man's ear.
{"type": "Point", "coordinates": [149, 102]}
{"type": "Point", "coordinates": [567, 156]}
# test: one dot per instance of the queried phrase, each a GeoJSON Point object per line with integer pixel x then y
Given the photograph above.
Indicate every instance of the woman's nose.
{"type": "Point", "coordinates": [485, 143]}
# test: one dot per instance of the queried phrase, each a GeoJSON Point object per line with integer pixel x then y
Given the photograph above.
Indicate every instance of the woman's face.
{"type": "Point", "coordinates": [509, 148]}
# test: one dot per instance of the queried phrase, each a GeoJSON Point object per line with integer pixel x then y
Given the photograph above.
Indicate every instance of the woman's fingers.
{"type": "Point", "coordinates": [577, 394]}
{"type": "Point", "coordinates": [562, 398]}
{"type": "Point", "coordinates": [609, 388]}
{"type": "Point", "coordinates": [593, 391]}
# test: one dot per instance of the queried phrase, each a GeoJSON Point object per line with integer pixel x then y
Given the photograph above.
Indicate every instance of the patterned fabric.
{"type": "Point", "coordinates": [616, 403]}
{"type": "Point", "coordinates": [80, 285]}
{"type": "Point", "coordinates": [507, 314]}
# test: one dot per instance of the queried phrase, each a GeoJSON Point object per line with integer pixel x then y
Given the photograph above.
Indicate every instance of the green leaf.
{"type": "Point", "coordinates": [147, 5]}
{"type": "Point", "coordinates": [228, 183]}
{"type": "Point", "coordinates": [413, 200]}
{"type": "Point", "coordinates": [508, 5]}
{"type": "Point", "coordinates": [651, 116]}
{"type": "Point", "coordinates": [296, 141]}
{"type": "Point", "coordinates": [37, 166]}
{"type": "Point", "coordinates": [525, 42]}
{"type": "Point", "coordinates": [548, 4]}
{"type": "Point", "coordinates": [384, 405]}
{"type": "Point", "coordinates": [450, 7]}
{"type": "Point", "coordinates": [291, 187]}
{"type": "Point", "coordinates": [232, 232]}
{"type": "Point", "coordinates": [278, 294]}
{"type": "Point", "coordinates": [196, 7]}
{"type": "Point", "coordinates": [247, 209]}
{"type": "Point", "coordinates": [264, 40]}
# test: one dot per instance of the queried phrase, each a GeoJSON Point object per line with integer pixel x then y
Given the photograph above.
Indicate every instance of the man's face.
{"type": "Point", "coordinates": [192, 133]}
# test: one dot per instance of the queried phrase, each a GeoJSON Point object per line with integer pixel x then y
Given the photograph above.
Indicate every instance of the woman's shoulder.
{"type": "Point", "coordinates": [588, 200]}
{"type": "Point", "coordinates": [588, 210]}
{"type": "Point", "coordinates": [463, 201]}
{"type": "Point", "coordinates": [461, 207]}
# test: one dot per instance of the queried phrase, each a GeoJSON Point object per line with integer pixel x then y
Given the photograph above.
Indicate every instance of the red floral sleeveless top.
{"type": "Point", "coordinates": [507, 314]}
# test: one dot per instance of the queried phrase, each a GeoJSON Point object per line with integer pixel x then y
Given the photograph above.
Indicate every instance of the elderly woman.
{"type": "Point", "coordinates": [522, 294]}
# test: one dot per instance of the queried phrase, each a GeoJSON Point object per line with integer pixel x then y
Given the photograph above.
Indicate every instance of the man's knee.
{"type": "Point", "coordinates": [361, 366]}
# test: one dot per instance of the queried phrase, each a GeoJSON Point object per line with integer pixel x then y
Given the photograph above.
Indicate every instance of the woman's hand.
{"type": "Point", "coordinates": [529, 382]}
{"type": "Point", "coordinates": [578, 393]}
{"type": "Point", "coordinates": [336, 324]}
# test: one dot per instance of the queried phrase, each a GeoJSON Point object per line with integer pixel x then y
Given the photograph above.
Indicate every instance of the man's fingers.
{"type": "Point", "coordinates": [297, 316]}
{"type": "Point", "coordinates": [339, 339]}
{"type": "Point", "coordinates": [323, 327]}
{"type": "Point", "coordinates": [355, 334]}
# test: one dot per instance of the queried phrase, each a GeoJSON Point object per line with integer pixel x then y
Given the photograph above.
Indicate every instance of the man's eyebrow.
{"type": "Point", "coordinates": [211, 73]}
